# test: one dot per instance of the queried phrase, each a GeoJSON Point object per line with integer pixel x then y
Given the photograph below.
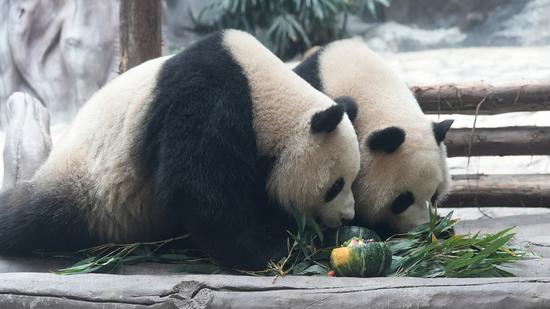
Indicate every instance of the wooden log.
{"type": "Point", "coordinates": [483, 98]}
{"type": "Point", "coordinates": [499, 191]}
{"type": "Point", "coordinates": [140, 32]}
{"type": "Point", "coordinates": [23, 290]}
{"type": "Point", "coordinates": [503, 141]}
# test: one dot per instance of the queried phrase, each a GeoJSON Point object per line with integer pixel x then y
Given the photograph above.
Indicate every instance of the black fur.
{"type": "Point", "coordinates": [309, 70]}
{"type": "Point", "coordinates": [440, 129]}
{"type": "Point", "coordinates": [434, 199]}
{"type": "Point", "coordinates": [402, 202]}
{"type": "Point", "coordinates": [327, 120]}
{"type": "Point", "coordinates": [34, 220]}
{"type": "Point", "coordinates": [335, 189]}
{"type": "Point", "coordinates": [200, 145]}
{"type": "Point", "coordinates": [387, 140]}
{"type": "Point", "coordinates": [350, 106]}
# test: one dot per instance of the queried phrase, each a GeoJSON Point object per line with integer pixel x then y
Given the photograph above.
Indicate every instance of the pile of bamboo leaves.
{"type": "Point", "coordinates": [423, 252]}
{"type": "Point", "coordinates": [431, 250]}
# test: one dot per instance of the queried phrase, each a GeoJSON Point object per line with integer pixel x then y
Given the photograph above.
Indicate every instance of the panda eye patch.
{"type": "Point", "coordinates": [402, 202]}
{"type": "Point", "coordinates": [334, 190]}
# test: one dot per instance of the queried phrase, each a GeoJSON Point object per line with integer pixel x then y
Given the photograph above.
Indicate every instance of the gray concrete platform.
{"type": "Point", "coordinates": [25, 283]}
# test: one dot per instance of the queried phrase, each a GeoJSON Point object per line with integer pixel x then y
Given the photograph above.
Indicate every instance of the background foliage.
{"type": "Point", "coordinates": [287, 27]}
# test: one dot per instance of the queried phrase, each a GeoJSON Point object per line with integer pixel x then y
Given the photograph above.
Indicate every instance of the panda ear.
{"type": "Point", "coordinates": [387, 140]}
{"type": "Point", "coordinates": [327, 120]}
{"type": "Point", "coordinates": [350, 106]}
{"type": "Point", "coordinates": [440, 129]}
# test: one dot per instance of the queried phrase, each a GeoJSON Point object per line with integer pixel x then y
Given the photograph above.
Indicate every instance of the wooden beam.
{"type": "Point", "coordinates": [482, 98]}
{"type": "Point", "coordinates": [140, 32]}
{"type": "Point", "coordinates": [503, 141]}
{"type": "Point", "coordinates": [499, 191]}
{"type": "Point", "coordinates": [25, 290]}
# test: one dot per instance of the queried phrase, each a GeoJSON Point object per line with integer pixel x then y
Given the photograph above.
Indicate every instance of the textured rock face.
{"type": "Point", "coordinates": [450, 13]}
{"type": "Point", "coordinates": [59, 51]}
{"type": "Point", "coordinates": [28, 144]}
{"type": "Point", "coordinates": [422, 24]}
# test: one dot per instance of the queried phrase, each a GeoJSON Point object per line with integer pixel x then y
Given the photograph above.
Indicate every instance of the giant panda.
{"type": "Point", "coordinates": [219, 141]}
{"type": "Point", "coordinates": [403, 157]}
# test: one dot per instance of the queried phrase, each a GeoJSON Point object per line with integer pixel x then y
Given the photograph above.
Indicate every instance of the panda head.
{"type": "Point", "coordinates": [317, 166]}
{"type": "Point", "coordinates": [403, 159]}
{"type": "Point", "coordinates": [404, 169]}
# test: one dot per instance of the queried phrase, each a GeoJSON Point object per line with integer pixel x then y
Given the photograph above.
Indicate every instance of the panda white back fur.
{"type": "Point", "coordinates": [403, 159]}
{"type": "Point", "coordinates": [214, 141]}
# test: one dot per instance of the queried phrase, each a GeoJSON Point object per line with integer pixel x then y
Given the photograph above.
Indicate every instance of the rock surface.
{"type": "Point", "coordinates": [60, 52]}
{"type": "Point", "coordinates": [418, 25]}
{"type": "Point", "coordinates": [29, 142]}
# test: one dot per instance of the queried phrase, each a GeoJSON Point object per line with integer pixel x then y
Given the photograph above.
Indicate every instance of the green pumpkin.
{"type": "Point", "coordinates": [337, 237]}
{"type": "Point", "coordinates": [360, 258]}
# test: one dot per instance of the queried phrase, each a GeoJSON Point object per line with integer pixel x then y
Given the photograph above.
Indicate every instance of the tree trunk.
{"type": "Point", "coordinates": [483, 98]}
{"type": "Point", "coordinates": [140, 32]}
{"type": "Point", "coordinates": [503, 141]}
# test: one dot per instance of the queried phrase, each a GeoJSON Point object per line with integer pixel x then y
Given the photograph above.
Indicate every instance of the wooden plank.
{"type": "Point", "coordinates": [503, 141]}
{"type": "Point", "coordinates": [499, 191]}
{"type": "Point", "coordinates": [219, 291]}
{"type": "Point", "coordinates": [140, 32]}
{"type": "Point", "coordinates": [483, 98]}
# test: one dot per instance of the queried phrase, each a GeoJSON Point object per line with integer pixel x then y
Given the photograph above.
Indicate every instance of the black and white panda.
{"type": "Point", "coordinates": [214, 141]}
{"type": "Point", "coordinates": [403, 157]}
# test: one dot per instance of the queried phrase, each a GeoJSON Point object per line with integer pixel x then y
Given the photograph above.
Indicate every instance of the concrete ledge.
{"type": "Point", "coordinates": [24, 284]}
{"type": "Point", "coordinates": [22, 290]}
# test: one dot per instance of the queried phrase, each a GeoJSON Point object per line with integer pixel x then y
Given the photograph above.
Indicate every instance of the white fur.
{"type": "Point", "coordinates": [98, 151]}
{"type": "Point", "coordinates": [308, 164]}
{"type": "Point", "coordinates": [350, 68]}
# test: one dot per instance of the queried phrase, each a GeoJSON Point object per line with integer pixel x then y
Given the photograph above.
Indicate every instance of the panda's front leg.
{"type": "Point", "coordinates": [238, 239]}
{"type": "Point", "coordinates": [218, 197]}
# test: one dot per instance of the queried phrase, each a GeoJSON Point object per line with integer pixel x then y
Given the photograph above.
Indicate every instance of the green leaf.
{"type": "Point", "coordinates": [314, 269]}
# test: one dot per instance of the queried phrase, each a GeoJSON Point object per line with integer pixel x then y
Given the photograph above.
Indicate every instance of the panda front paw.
{"type": "Point", "coordinates": [268, 251]}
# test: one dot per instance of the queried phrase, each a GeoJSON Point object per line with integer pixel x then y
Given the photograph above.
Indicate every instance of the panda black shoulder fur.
{"type": "Point", "coordinates": [403, 159]}
{"type": "Point", "coordinates": [180, 144]}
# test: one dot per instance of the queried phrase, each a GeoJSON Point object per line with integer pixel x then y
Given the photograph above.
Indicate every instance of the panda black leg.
{"type": "Point", "coordinates": [199, 145]}
{"type": "Point", "coordinates": [31, 220]}
{"type": "Point", "coordinates": [218, 196]}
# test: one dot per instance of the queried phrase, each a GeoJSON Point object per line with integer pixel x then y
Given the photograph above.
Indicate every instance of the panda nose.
{"type": "Point", "coordinates": [347, 222]}
{"type": "Point", "coordinates": [348, 212]}
{"type": "Point", "coordinates": [348, 215]}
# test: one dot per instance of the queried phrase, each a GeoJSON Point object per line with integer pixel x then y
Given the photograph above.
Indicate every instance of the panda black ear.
{"type": "Point", "coordinates": [387, 140]}
{"type": "Point", "coordinates": [327, 120]}
{"type": "Point", "coordinates": [350, 106]}
{"type": "Point", "coordinates": [440, 129]}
